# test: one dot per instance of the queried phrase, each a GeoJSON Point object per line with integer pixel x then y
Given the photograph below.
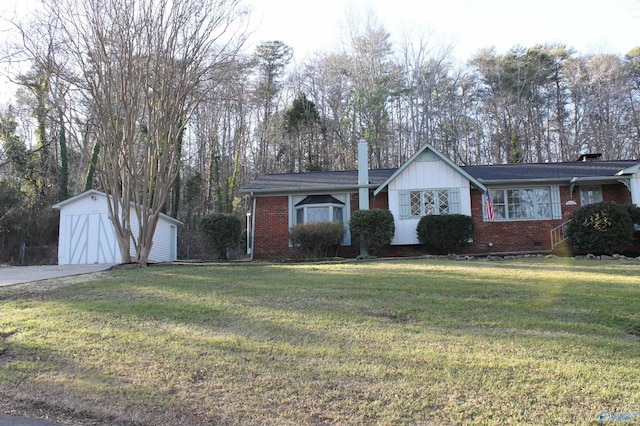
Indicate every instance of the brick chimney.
{"type": "Point", "coordinates": [589, 157]}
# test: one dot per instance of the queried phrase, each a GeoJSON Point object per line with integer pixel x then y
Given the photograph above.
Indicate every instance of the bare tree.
{"type": "Point", "coordinates": [142, 65]}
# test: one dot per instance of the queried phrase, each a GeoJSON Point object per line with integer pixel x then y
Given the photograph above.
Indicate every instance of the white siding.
{"type": "Point", "coordinates": [87, 235]}
{"type": "Point", "coordinates": [426, 172]}
{"type": "Point", "coordinates": [161, 250]}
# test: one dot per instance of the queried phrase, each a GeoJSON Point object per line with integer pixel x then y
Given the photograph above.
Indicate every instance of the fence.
{"type": "Point", "coordinates": [41, 255]}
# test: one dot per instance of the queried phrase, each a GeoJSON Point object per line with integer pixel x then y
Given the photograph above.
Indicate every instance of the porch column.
{"type": "Point", "coordinates": [634, 187]}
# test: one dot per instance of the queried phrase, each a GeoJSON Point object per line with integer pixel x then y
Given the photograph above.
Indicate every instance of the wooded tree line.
{"type": "Point", "coordinates": [256, 112]}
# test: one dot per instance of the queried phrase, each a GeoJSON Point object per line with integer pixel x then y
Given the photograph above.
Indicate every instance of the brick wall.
{"type": "Point", "coordinates": [529, 235]}
{"type": "Point", "coordinates": [271, 233]}
{"type": "Point", "coordinates": [272, 227]}
{"type": "Point", "coordinates": [617, 193]}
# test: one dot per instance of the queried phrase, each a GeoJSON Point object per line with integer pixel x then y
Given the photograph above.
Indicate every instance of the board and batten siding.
{"type": "Point", "coordinates": [86, 233]}
{"type": "Point", "coordinates": [426, 172]}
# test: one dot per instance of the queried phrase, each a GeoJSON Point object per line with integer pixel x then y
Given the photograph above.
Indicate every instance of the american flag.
{"type": "Point", "coordinates": [490, 213]}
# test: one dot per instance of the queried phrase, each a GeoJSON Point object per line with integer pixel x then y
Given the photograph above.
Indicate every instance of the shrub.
{"type": "Point", "coordinates": [219, 233]}
{"type": "Point", "coordinates": [445, 234]}
{"type": "Point", "coordinates": [634, 212]}
{"type": "Point", "coordinates": [317, 239]}
{"type": "Point", "coordinates": [600, 228]}
{"type": "Point", "coordinates": [373, 228]}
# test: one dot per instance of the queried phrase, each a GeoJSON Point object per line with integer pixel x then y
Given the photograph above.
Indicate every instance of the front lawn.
{"type": "Point", "coordinates": [531, 341]}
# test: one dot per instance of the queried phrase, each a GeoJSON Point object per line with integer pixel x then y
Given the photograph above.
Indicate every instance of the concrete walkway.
{"type": "Point", "coordinates": [23, 274]}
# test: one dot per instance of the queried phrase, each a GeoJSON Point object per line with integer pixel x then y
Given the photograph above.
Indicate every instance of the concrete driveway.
{"type": "Point", "coordinates": [23, 274]}
{"type": "Point", "coordinates": [21, 421]}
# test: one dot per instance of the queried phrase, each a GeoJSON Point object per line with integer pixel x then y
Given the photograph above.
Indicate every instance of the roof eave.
{"type": "Point", "coordinates": [295, 190]}
{"type": "Point", "coordinates": [629, 170]}
{"type": "Point", "coordinates": [521, 181]}
{"type": "Point", "coordinates": [597, 178]}
{"type": "Point", "coordinates": [567, 180]}
{"type": "Point", "coordinates": [61, 204]}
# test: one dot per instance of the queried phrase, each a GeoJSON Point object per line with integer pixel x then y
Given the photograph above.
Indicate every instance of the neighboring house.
{"type": "Point", "coordinates": [87, 234]}
{"type": "Point", "coordinates": [530, 202]}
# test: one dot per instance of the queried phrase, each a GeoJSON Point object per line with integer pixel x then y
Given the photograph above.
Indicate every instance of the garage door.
{"type": "Point", "coordinates": [90, 239]}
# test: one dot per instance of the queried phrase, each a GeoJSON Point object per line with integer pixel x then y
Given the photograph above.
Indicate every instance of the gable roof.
{"type": "Point", "coordinates": [499, 174]}
{"type": "Point", "coordinates": [441, 156]}
{"type": "Point", "coordinates": [96, 193]}
{"type": "Point", "coordinates": [314, 181]}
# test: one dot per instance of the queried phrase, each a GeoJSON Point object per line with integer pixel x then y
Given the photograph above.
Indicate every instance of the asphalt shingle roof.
{"type": "Point", "coordinates": [314, 180]}
{"type": "Point", "coordinates": [487, 174]}
{"type": "Point", "coordinates": [567, 170]}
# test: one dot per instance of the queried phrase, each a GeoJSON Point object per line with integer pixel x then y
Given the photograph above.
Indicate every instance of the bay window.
{"type": "Point", "coordinates": [319, 208]}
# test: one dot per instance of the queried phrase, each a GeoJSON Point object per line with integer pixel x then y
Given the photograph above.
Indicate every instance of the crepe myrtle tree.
{"type": "Point", "coordinates": [143, 66]}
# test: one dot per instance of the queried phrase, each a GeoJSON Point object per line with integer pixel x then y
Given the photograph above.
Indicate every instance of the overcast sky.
{"type": "Point", "coordinates": [589, 26]}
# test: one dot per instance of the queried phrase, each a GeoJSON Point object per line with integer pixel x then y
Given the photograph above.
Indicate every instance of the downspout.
{"type": "Point", "coordinates": [253, 227]}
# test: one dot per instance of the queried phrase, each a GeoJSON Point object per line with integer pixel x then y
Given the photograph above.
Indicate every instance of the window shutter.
{"type": "Point", "coordinates": [454, 200]}
{"type": "Point", "coordinates": [485, 217]}
{"type": "Point", "coordinates": [556, 205]}
{"type": "Point", "coordinates": [403, 199]}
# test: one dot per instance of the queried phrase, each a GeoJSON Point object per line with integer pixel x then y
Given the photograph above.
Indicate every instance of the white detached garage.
{"type": "Point", "coordinates": [87, 235]}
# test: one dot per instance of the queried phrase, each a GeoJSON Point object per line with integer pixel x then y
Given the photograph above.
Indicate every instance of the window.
{"type": "Point", "coordinates": [423, 202]}
{"type": "Point", "coordinates": [319, 208]}
{"type": "Point", "coordinates": [526, 203]}
{"type": "Point", "coordinates": [429, 202]}
{"type": "Point", "coordinates": [590, 195]}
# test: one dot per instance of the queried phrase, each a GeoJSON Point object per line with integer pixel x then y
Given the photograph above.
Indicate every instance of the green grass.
{"type": "Point", "coordinates": [402, 342]}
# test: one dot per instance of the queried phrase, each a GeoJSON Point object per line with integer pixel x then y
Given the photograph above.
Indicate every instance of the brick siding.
{"type": "Point", "coordinates": [528, 235]}
{"type": "Point", "coordinates": [271, 233]}
{"type": "Point", "coordinates": [272, 227]}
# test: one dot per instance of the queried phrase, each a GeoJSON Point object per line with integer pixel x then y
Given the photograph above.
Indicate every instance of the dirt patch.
{"type": "Point", "coordinates": [398, 318]}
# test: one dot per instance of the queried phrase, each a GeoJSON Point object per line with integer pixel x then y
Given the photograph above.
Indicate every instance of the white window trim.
{"type": "Point", "coordinates": [329, 206]}
{"type": "Point", "coordinates": [554, 200]}
{"type": "Point", "coordinates": [404, 200]}
{"type": "Point", "coordinates": [346, 213]}
{"type": "Point", "coordinates": [590, 187]}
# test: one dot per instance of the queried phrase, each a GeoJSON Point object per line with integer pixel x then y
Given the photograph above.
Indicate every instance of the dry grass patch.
{"type": "Point", "coordinates": [405, 342]}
